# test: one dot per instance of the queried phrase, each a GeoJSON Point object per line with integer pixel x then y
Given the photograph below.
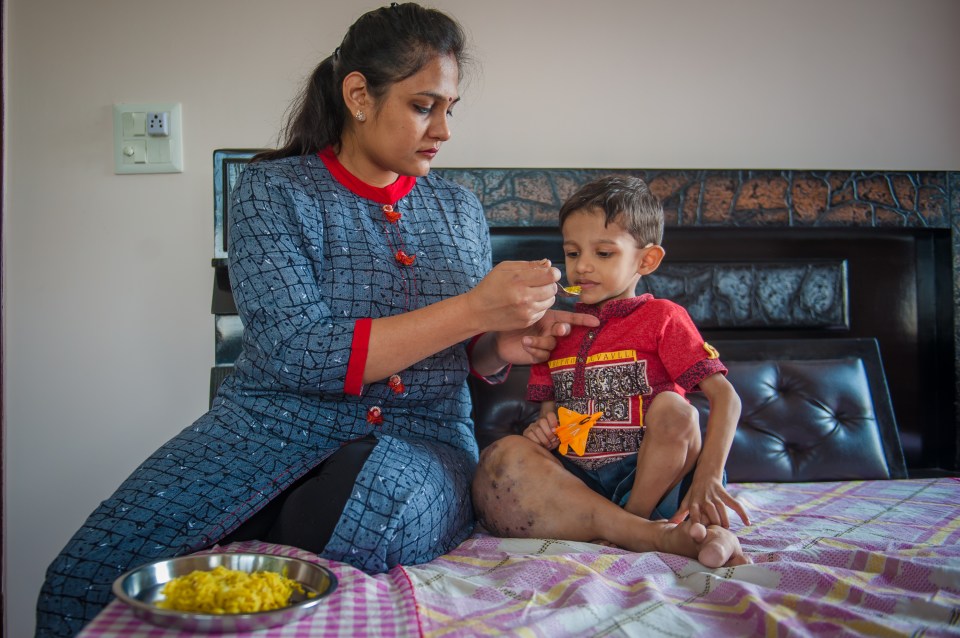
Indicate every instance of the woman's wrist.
{"type": "Point", "coordinates": [486, 360]}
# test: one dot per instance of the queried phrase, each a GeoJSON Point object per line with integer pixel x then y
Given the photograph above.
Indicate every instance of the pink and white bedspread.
{"type": "Point", "coordinates": [873, 558]}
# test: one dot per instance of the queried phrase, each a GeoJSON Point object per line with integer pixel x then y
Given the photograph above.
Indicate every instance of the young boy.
{"type": "Point", "coordinates": [632, 373]}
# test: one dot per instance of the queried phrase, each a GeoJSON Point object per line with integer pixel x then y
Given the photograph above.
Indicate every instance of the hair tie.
{"type": "Point", "coordinates": [336, 53]}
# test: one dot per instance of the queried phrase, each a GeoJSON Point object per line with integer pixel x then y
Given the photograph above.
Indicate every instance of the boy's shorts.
{"type": "Point", "coordinates": [614, 481]}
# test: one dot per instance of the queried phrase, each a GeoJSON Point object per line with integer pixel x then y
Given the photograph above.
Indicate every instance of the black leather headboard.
{"type": "Point", "coordinates": [813, 410]}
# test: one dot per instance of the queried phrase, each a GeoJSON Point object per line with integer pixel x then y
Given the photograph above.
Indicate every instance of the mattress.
{"type": "Point", "coordinates": [857, 558]}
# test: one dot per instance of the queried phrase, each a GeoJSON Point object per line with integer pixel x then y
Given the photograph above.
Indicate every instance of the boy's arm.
{"type": "Point", "coordinates": [547, 408]}
{"type": "Point", "coordinates": [721, 424]}
{"type": "Point", "coordinates": [707, 499]}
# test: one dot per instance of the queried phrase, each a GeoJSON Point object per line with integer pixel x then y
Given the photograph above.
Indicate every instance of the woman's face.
{"type": "Point", "coordinates": [404, 130]}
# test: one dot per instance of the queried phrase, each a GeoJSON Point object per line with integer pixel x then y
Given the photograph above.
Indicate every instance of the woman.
{"type": "Point", "coordinates": [365, 289]}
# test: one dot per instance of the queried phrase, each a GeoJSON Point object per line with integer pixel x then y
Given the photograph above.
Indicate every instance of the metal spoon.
{"type": "Point", "coordinates": [568, 291]}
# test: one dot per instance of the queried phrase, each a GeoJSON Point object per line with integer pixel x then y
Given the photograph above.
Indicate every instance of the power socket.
{"type": "Point", "coordinates": [158, 124]}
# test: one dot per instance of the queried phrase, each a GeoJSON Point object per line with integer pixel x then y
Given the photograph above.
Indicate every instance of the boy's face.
{"type": "Point", "coordinates": [604, 260]}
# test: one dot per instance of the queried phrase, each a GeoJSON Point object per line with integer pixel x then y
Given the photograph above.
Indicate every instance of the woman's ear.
{"type": "Point", "coordinates": [355, 92]}
{"type": "Point", "coordinates": [650, 259]}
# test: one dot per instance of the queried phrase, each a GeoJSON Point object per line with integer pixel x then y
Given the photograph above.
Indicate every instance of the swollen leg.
{"type": "Point", "coordinates": [521, 491]}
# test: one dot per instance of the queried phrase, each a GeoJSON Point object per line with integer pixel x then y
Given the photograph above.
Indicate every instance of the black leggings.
{"type": "Point", "coordinates": [306, 513]}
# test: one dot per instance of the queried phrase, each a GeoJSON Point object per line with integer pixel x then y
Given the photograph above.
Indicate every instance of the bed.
{"type": "Point", "coordinates": [867, 558]}
{"type": "Point", "coordinates": [842, 542]}
{"type": "Point", "coordinates": [844, 539]}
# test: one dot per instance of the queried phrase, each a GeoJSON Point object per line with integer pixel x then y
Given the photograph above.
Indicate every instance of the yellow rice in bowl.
{"type": "Point", "coordinates": [229, 591]}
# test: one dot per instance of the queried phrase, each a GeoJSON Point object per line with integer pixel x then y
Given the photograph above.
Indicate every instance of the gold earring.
{"type": "Point", "coordinates": [361, 116]}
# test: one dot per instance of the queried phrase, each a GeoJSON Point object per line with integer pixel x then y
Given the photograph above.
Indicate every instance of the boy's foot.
{"type": "Point", "coordinates": [713, 546]}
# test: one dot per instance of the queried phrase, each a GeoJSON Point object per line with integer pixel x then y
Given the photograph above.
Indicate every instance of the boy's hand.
{"type": "Point", "coordinates": [706, 502]}
{"type": "Point", "coordinates": [542, 432]}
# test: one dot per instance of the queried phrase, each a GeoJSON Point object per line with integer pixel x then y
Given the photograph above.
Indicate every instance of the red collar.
{"type": "Point", "coordinates": [381, 194]}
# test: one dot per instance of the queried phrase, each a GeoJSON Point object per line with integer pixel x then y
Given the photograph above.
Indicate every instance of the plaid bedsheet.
{"type": "Point", "coordinates": [874, 558]}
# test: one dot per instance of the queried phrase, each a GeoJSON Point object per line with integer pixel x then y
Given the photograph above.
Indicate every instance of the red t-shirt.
{"type": "Point", "coordinates": [643, 346]}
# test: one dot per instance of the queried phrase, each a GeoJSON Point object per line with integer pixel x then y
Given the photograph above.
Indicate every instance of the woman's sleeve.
{"type": "Point", "coordinates": [486, 255]}
{"type": "Point", "coordinates": [290, 335]}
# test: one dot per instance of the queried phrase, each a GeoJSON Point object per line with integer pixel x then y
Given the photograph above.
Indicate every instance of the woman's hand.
{"type": "Point", "coordinates": [534, 343]}
{"type": "Point", "coordinates": [512, 306]}
{"type": "Point", "coordinates": [514, 295]}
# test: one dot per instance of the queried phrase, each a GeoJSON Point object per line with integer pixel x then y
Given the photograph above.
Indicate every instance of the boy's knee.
{"type": "Point", "coordinates": [671, 417]}
{"type": "Point", "coordinates": [671, 404]}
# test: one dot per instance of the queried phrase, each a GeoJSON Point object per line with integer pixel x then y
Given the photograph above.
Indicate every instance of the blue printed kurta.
{"type": "Point", "coordinates": [308, 258]}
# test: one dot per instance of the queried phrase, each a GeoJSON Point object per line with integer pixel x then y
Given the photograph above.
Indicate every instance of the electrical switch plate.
{"type": "Point", "coordinates": [147, 138]}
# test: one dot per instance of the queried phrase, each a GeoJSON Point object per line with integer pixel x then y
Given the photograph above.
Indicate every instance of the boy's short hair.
{"type": "Point", "coordinates": [623, 199]}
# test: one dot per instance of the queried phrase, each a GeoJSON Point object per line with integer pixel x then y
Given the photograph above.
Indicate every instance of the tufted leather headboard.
{"type": "Point", "coordinates": [813, 410]}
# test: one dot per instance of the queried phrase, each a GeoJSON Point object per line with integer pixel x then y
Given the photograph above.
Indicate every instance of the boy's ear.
{"type": "Point", "coordinates": [650, 261]}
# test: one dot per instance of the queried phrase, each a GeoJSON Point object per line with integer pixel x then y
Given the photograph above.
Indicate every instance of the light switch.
{"type": "Point", "coordinates": [134, 124]}
{"type": "Point", "coordinates": [137, 152]}
{"type": "Point", "coordinates": [158, 150]}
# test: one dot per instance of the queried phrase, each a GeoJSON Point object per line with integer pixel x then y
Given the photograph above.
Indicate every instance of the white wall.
{"type": "Point", "coordinates": [107, 278]}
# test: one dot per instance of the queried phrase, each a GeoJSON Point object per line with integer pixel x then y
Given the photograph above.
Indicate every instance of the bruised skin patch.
{"type": "Point", "coordinates": [500, 512]}
{"type": "Point", "coordinates": [496, 507]}
{"type": "Point", "coordinates": [496, 494]}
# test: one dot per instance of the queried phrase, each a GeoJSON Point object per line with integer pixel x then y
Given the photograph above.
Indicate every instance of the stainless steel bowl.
{"type": "Point", "coordinates": [141, 589]}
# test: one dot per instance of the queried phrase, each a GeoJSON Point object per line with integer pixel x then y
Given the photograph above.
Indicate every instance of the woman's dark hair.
{"type": "Point", "coordinates": [622, 199]}
{"type": "Point", "coordinates": [386, 45]}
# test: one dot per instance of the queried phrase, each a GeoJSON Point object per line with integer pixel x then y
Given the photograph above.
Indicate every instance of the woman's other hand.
{"type": "Point", "coordinates": [515, 300]}
{"type": "Point", "coordinates": [512, 304]}
{"type": "Point", "coordinates": [534, 343]}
